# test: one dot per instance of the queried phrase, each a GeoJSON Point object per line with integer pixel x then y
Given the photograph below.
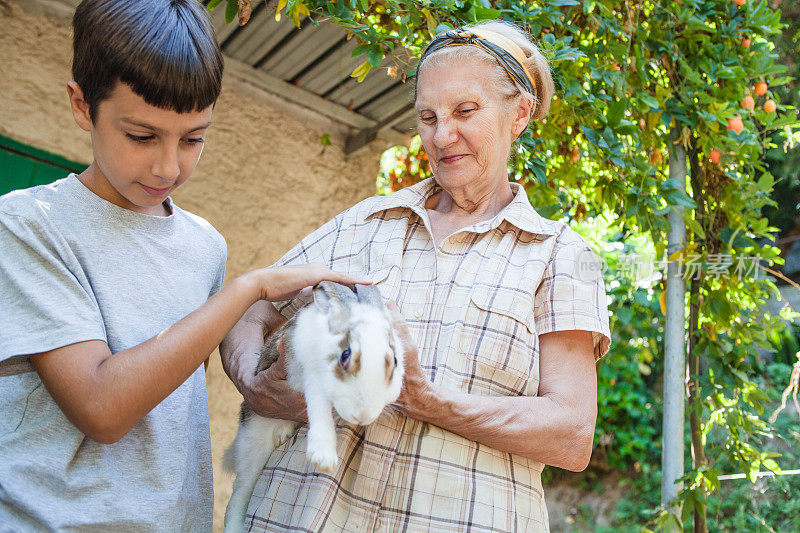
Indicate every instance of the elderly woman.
{"type": "Point", "coordinates": [505, 317]}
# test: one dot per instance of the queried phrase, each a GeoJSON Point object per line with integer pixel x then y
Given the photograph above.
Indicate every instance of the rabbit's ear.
{"type": "Point", "coordinates": [369, 294]}
{"type": "Point", "coordinates": [329, 295]}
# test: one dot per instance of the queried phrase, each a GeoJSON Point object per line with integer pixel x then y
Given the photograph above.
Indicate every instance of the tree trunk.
{"type": "Point", "coordinates": [693, 359]}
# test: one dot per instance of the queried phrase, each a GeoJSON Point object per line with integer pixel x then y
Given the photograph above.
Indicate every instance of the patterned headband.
{"type": "Point", "coordinates": [504, 50]}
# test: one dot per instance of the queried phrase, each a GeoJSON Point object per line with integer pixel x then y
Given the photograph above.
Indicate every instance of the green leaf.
{"type": "Point", "coordinates": [648, 100]}
{"type": "Point", "coordinates": [672, 183]}
{"type": "Point", "coordinates": [616, 110]}
{"type": "Point", "coordinates": [483, 13]}
{"type": "Point", "coordinates": [231, 11]}
{"type": "Point", "coordinates": [694, 226]}
{"type": "Point", "coordinates": [443, 27]}
{"type": "Point", "coordinates": [678, 197]}
{"type": "Point", "coordinates": [766, 182]}
{"type": "Point", "coordinates": [375, 56]}
{"type": "Point", "coordinates": [361, 71]}
{"type": "Point", "coordinates": [212, 5]}
{"type": "Point", "coordinates": [548, 211]}
{"type": "Point", "coordinates": [567, 54]}
{"type": "Point", "coordinates": [688, 506]}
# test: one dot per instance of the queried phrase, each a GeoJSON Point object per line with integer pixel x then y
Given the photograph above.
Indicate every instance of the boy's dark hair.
{"type": "Point", "coordinates": [165, 50]}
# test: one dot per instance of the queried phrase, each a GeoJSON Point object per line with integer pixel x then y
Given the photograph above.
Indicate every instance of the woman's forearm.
{"type": "Point", "coordinates": [556, 427]}
{"type": "Point", "coordinates": [543, 428]}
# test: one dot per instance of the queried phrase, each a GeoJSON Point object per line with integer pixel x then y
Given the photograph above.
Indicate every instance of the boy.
{"type": "Point", "coordinates": [110, 293]}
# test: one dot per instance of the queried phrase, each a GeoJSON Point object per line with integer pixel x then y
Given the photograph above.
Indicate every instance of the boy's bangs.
{"type": "Point", "coordinates": [176, 69]}
{"type": "Point", "coordinates": [165, 50]}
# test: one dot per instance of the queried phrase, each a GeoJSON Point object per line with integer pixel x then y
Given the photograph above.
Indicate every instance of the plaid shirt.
{"type": "Point", "coordinates": [475, 307]}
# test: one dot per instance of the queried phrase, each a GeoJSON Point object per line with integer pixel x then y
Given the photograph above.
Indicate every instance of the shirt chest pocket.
{"type": "Point", "coordinates": [498, 342]}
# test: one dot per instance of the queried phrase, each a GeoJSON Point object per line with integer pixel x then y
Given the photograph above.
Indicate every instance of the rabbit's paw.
{"type": "Point", "coordinates": [322, 455]}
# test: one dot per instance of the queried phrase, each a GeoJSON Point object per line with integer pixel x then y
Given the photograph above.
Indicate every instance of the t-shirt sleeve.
{"type": "Point", "coordinates": [572, 294]}
{"type": "Point", "coordinates": [45, 303]}
{"type": "Point", "coordinates": [222, 258]}
{"type": "Point", "coordinates": [317, 247]}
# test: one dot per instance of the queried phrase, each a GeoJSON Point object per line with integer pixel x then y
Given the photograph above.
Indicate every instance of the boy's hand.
{"type": "Point", "coordinates": [276, 284]}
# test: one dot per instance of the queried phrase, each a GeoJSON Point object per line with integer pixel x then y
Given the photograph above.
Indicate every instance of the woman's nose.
{"type": "Point", "coordinates": [446, 133]}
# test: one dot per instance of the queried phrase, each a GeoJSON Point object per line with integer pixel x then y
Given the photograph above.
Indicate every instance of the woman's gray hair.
{"type": "Point", "coordinates": [535, 63]}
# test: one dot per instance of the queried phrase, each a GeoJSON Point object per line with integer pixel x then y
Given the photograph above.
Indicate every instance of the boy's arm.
{"type": "Point", "coordinates": [105, 395]}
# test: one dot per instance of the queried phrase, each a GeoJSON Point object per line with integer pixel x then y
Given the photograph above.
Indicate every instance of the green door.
{"type": "Point", "coordinates": [23, 166]}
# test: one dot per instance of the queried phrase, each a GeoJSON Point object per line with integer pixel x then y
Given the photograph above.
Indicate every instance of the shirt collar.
{"type": "Point", "coordinates": [518, 212]}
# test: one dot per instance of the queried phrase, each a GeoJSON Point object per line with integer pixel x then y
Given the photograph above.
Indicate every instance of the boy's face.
{"type": "Point", "coordinates": [141, 152]}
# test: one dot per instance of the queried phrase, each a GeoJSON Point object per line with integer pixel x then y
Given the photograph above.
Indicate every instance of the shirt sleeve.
{"type": "Point", "coordinates": [572, 294]}
{"type": "Point", "coordinates": [317, 247]}
{"type": "Point", "coordinates": [45, 297]}
{"type": "Point", "coordinates": [219, 279]}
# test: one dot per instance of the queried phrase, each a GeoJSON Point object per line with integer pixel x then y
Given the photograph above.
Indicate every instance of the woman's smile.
{"type": "Point", "coordinates": [449, 159]}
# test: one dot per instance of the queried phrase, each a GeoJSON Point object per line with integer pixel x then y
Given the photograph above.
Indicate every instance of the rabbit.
{"type": "Point", "coordinates": [342, 352]}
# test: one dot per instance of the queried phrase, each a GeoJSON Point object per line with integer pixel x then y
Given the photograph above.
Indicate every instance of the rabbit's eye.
{"type": "Point", "coordinates": [345, 357]}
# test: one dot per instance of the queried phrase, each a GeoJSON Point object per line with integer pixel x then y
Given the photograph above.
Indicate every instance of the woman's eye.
{"type": "Point", "coordinates": [467, 111]}
{"type": "Point", "coordinates": [428, 118]}
{"type": "Point", "coordinates": [197, 140]}
{"type": "Point", "coordinates": [139, 138]}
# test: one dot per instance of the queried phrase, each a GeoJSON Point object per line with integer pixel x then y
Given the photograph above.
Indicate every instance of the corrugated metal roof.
{"type": "Point", "coordinates": [313, 63]}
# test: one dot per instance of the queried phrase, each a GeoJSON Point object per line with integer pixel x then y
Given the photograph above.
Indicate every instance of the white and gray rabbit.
{"type": "Point", "coordinates": [341, 353]}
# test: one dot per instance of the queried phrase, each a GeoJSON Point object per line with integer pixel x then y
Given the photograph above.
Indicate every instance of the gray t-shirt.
{"type": "Point", "coordinates": [74, 267]}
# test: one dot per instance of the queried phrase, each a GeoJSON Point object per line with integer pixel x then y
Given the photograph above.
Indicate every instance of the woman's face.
{"type": "Point", "coordinates": [466, 125]}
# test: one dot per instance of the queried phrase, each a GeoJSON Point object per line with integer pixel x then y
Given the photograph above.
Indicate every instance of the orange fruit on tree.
{"type": "Point", "coordinates": [740, 3]}
{"type": "Point", "coordinates": [662, 302]}
{"type": "Point", "coordinates": [735, 123]}
{"type": "Point", "coordinates": [656, 157]}
{"type": "Point", "coordinates": [748, 102]}
{"type": "Point", "coordinates": [746, 42]}
{"type": "Point", "coordinates": [760, 88]}
{"type": "Point", "coordinates": [715, 155]}
{"type": "Point", "coordinates": [770, 106]}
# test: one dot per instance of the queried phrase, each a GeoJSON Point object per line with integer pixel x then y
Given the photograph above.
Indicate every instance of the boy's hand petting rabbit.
{"type": "Point", "coordinates": [341, 352]}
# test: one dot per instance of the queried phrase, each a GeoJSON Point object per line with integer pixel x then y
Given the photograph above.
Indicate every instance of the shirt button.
{"type": "Point", "coordinates": [418, 313]}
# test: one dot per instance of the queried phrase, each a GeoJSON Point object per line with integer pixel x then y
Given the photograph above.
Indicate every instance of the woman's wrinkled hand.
{"type": "Point", "coordinates": [418, 393]}
{"type": "Point", "coordinates": [269, 395]}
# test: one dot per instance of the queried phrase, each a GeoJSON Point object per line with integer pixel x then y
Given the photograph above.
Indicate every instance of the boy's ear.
{"type": "Point", "coordinates": [80, 109]}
